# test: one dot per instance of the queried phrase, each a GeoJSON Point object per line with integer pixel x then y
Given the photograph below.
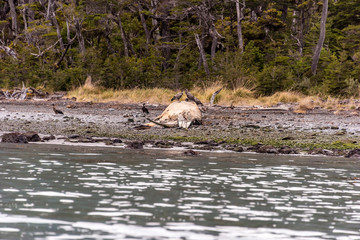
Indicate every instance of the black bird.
{"type": "Point", "coordinates": [232, 105]}
{"type": "Point", "coordinates": [177, 96]}
{"type": "Point", "coordinates": [144, 109]}
{"type": "Point", "coordinates": [193, 98]}
{"type": "Point", "coordinates": [57, 111]}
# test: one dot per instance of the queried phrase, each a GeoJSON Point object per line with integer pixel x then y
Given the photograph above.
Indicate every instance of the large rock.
{"type": "Point", "coordinates": [135, 145]}
{"type": "Point", "coordinates": [355, 153]}
{"type": "Point", "coordinates": [14, 138]}
{"type": "Point", "coordinates": [32, 137]}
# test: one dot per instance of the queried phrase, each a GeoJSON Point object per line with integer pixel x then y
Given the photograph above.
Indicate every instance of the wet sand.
{"type": "Point", "coordinates": [265, 130]}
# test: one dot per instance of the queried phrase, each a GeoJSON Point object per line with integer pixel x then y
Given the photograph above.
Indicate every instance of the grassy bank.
{"type": "Point", "coordinates": [227, 97]}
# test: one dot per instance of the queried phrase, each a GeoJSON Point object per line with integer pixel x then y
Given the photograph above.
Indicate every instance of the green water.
{"type": "Point", "coordinates": [63, 192]}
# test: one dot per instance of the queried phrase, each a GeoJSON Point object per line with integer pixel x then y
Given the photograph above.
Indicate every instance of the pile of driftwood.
{"type": "Point", "coordinates": [22, 94]}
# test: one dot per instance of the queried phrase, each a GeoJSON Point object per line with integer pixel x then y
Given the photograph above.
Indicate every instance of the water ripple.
{"type": "Point", "coordinates": [69, 195]}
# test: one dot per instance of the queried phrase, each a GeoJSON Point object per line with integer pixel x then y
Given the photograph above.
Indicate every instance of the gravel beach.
{"type": "Point", "coordinates": [276, 130]}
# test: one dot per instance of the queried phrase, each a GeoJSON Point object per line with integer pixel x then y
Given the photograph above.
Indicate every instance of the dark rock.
{"type": "Point", "coordinates": [268, 149]}
{"type": "Point", "coordinates": [229, 147]}
{"type": "Point", "coordinates": [238, 149]}
{"type": "Point", "coordinates": [201, 142]}
{"type": "Point", "coordinates": [204, 147]}
{"type": "Point", "coordinates": [208, 142]}
{"type": "Point", "coordinates": [252, 126]}
{"type": "Point", "coordinates": [100, 139]}
{"type": "Point", "coordinates": [116, 140]}
{"type": "Point", "coordinates": [355, 153]}
{"type": "Point", "coordinates": [135, 145]}
{"type": "Point", "coordinates": [234, 148]}
{"type": "Point", "coordinates": [14, 138]}
{"type": "Point", "coordinates": [287, 150]}
{"type": "Point", "coordinates": [320, 151]}
{"type": "Point", "coordinates": [159, 143]}
{"type": "Point", "coordinates": [341, 132]}
{"type": "Point", "coordinates": [86, 140]}
{"type": "Point", "coordinates": [176, 144]}
{"type": "Point", "coordinates": [32, 137]}
{"type": "Point", "coordinates": [288, 138]}
{"type": "Point", "coordinates": [74, 136]}
{"type": "Point", "coordinates": [48, 138]}
{"type": "Point", "coordinates": [254, 148]}
{"type": "Point", "coordinates": [190, 153]}
{"type": "Point", "coordinates": [162, 144]}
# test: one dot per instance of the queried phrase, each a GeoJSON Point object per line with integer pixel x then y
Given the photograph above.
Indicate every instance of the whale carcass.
{"type": "Point", "coordinates": [179, 114]}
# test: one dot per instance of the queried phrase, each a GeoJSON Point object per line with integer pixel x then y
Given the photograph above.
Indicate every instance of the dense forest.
{"type": "Point", "coordinates": [310, 46]}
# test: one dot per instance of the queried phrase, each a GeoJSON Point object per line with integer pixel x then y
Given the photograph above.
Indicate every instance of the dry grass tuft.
{"type": "Point", "coordinates": [155, 95]}
{"type": "Point", "coordinates": [281, 97]}
{"type": "Point", "coordinates": [306, 104]}
{"type": "Point", "coordinates": [240, 96]}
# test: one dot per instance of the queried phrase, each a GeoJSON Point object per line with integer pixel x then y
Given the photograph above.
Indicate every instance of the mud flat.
{"type": "Point", "coordinates": [266, 130]}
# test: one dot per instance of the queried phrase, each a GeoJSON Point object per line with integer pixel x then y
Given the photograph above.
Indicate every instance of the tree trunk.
{"type": "Point", "coordinates": [154, 4]}
{"type": "Point", "coordinates": [166, 37]}
{"type": "Point", "coordinates": [49, 9]}
{"type": "Point", "coordinates": [123, 35]}
{"type": "Point", "coordinates": [108, 32]}
{"type": "Point", "coordinates": [301, 32]}
{"type": "Point", "coordinates": [80, 37]}
{"type": "Point", "coordinates": [50, 15]}
{"type": "Point", "coordinates": [146, 30]}
{"type": "Point", "coordinates": [57, 65]}
{"type": "Point", "coordinates": [297, 27]}
{"type": "Point", "coordinates": [58, 30]}
{"type": "Point", "coordinates": [202, 53]}
{"type": "Point", "coordinates": [213, 48]}
{"type": "Point", "coordinates": [240, 17]}
{"type": "Point", "coordinates": [68, 34]}
{"type": "Point", "coordinates": [213, 51]}
{"type": "Point", "coordinates": [68, 40]}
{"type": "Point", "coordinates": [13, 17]}
{"type": "Point", "coordinates": [5, 8]}
{"type": "Point", "coordinates": [320, 43]}
{"type": "Point", "coordinates": [24, 11]}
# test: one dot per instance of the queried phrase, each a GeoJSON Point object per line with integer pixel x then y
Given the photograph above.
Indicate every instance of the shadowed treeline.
{"type": "Point", "coordinates": [265, 46]}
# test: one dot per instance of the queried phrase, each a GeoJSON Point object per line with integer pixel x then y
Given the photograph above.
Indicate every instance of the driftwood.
{"type": "Point", "coordinates": [213, 96]}
{"type": "Point", "coordinates": [22, 94]}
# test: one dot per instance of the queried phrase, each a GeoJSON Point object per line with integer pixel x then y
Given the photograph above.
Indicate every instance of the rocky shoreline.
{"type": "Point", "coordinates": [276, 130]}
